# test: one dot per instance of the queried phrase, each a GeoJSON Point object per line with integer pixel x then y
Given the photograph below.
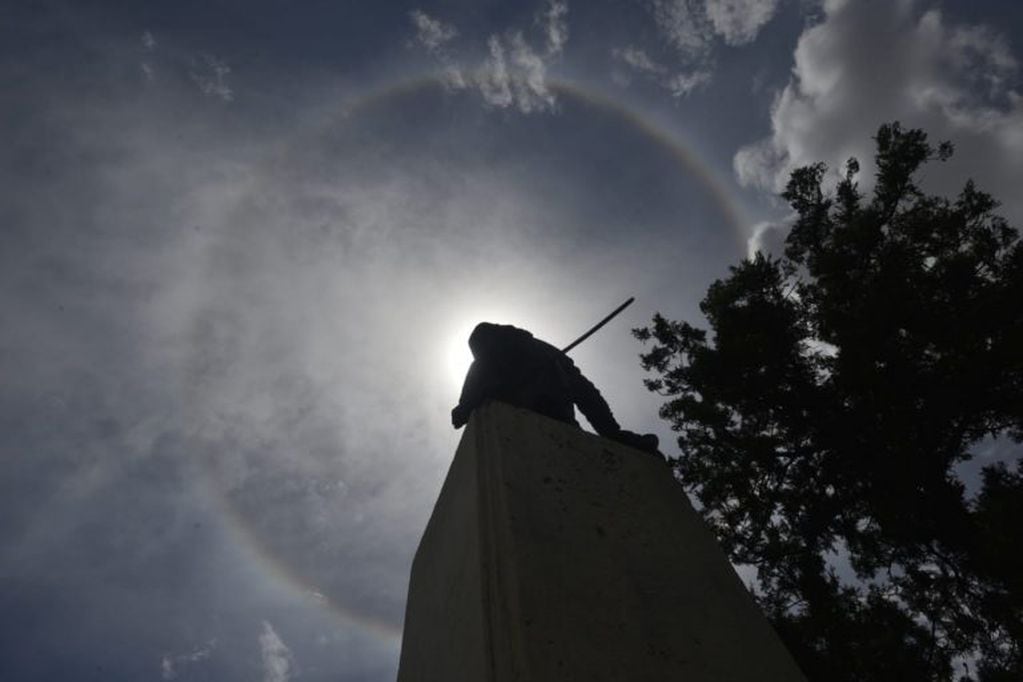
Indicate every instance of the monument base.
{"type": "Point", "coordinates": [554, 554]}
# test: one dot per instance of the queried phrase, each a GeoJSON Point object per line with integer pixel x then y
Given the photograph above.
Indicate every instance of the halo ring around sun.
{"type": "Point", "coordinates": [239, 530]}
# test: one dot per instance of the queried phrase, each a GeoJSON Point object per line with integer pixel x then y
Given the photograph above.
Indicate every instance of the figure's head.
{"type": "Point", "coordinates": [483, 339]}
{"type": "Point", "coordinates": [488, 340]}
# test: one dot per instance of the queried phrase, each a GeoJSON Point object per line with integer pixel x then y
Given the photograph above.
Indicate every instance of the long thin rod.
{"type": "Point", "coordinates": [598, 325]}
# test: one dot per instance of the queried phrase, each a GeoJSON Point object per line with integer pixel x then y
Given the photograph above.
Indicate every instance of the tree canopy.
{"type": "Point", "coordinates": [824, 410]}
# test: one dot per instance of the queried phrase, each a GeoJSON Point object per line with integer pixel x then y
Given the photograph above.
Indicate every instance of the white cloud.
{"type": "Point", "coordinates": [529, 80]}
{"type": "Point", "coordinates": [739, 21]}
{"type": "Point", "coordinates": [513, 73]}
{"type": "Point", "coordinates": [211, 78]}
{"type": "Point", "coordinates": [276, 655]}
{"type": "Point", "coordinates": [148, 41]}
{"type": "Point", "coordinates": [170, 664]}
{"type": "Point", "coordinates": [431, 33]}
{"type": "Point", "coordinates": [638, 59]}
{"type": "Point", "coordinates": [693, 30]}
{"type": "Point", "coordinates": [691, 26]}
{"type": "Point", "coordinates": [679, 83]}
{"type": "Point", "coordinates": [684, 24]}
{"type": "Point", "coordinates": [868, 63]}
{"type": "Point", "coordinates": [768, 238]}
{"type": "Point", "coordinates": [514, 77]}
{"type": "Point", "coordinates": [555, 25]}
{"type": "Point", "coordinates": [493, 80]}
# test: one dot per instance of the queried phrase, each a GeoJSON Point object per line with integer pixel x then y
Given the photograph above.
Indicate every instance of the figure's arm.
{"type": "Point", "coordinates": [589, 400]}
{"type": "Point", "coordinates": [476, 387]}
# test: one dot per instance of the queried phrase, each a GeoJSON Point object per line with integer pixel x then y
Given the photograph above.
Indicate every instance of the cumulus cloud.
{"type": "Point", "coordinates": [210, 75]}
{"type": "Point", "coordinates": [275, 654]}
{"type": "Point", "coordinates": [867, 63]}
{"type": "Point", "coordinates": [431, 33]}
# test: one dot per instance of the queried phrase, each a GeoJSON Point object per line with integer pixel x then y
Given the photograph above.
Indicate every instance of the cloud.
{"type": "Point", "coordinates": [679, 83]}
{"type": "Point", "coordinates": [529, 79]}
{"type": "Point", "coordinates": [868, 63]}
{"type": "Point", "coordinates": [431, 33]}
{"type": "Point", "coordinates": [739, 21]}
{"type": "Point", "coordinates": [685, 25]}
{"type": "Point", "coordinates": [493, 80]}
{"type": "Point", "coordinates": [553, 20]}
{"type": "Point", "coordinates": [768, 238]}
{"type": "Point", "coordinates": [693, 30]}
{"type": "Point", "coordinates": [513, 74]}
{"type": "Point", "coordinates": [276, 655]}
{"type": "Point", "coordinates": [638, 60]}
{"type": "Point", "coordinates": [210, 75]}
{"type": "Point", "coordinates": [170, 665]}
{"type": "Point", "coordinates": [691, 26]}
{"type": "Point", "coordinates": [148, 41]}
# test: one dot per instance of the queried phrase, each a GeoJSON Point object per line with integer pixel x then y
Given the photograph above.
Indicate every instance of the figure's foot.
{"type": "Point", "coordinates": [647, 442]}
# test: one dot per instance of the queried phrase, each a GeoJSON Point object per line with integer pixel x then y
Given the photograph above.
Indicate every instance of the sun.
{"type": "Point", "coordinates": [455, 356]}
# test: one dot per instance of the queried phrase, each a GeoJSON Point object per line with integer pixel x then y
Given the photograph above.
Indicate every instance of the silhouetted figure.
{"type": "Point", "coordinates": [513, 367]}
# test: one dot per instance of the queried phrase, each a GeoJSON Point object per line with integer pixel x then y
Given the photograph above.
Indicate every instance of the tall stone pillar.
{"type": "Point", "coordinates": [556, 555]}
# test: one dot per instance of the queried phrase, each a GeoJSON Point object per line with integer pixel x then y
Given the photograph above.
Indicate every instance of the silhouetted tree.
{"type": "Point", "coordinates": [822, 421]}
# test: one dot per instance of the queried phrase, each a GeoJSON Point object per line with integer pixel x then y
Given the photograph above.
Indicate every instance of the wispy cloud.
{"type": "Point", "coordinates": [684, 24]}
{"type": "Point", "coordinates": [693, 31]}
{"type": "Point", "coordinates": [739, 21]}
{"type": "Point", "coordinates": [148, 45]}
{"type": "Point", "coordinates": [210, 75]}
{"type": "Point", "coordinates": [276, 655]}
{"type": "Point", "coordinates": [170, 665]}
{"type": "Point", "coordinates": [553, 19]}
{"type": "Point", "coordinates": [678, 83]}
{"type": "Point", "coordinates": [431, 33]}
{"type": "Point", "coordinates": [513, 74]}
{"type": "Point", "coordinates": [493, 79]}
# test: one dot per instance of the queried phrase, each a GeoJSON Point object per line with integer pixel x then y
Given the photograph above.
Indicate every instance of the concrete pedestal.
{"type": "Point", "coordinates": [553, 554]}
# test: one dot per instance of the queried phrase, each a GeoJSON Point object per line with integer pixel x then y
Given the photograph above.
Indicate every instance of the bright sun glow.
{"type": "Point", "coordinates": [454, 348]}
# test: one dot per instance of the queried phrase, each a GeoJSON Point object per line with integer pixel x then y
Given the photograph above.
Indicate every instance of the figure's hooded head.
{"type": "Point", "coordinates": [489, 340]}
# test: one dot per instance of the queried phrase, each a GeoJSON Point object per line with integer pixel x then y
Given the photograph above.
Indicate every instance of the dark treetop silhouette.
{"type": "Point", "coordinates": [826, 409]}
{"type": "Point", "coordinates": [512, 366]}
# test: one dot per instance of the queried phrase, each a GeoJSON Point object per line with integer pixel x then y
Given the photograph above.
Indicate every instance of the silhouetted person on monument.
{"type": "Point", "coordinates": [512, 366]}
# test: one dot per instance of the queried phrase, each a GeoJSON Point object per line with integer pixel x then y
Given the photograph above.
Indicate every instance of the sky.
{"type": "Point", "coordinates": [242, 245]}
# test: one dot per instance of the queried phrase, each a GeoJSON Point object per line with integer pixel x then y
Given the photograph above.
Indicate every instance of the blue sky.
{"type": "Point", "coordinates": [242, 245]}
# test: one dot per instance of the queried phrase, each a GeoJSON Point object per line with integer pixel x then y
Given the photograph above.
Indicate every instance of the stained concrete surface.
{"type": "Point", "coordinates": [553, 554]}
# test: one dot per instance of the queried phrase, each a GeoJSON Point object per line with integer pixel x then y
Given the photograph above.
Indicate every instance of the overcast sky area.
{"type": "Point", "coordinates": [242, 245]}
